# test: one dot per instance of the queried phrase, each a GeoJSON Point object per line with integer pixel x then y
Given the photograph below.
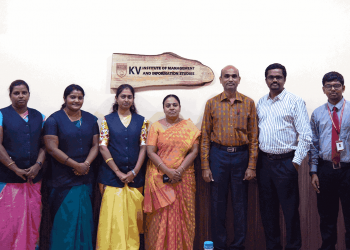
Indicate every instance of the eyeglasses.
{"type": "Point", "coordinates": [278, 78]}
{"type": "Point", "coordinates": [335, 86]}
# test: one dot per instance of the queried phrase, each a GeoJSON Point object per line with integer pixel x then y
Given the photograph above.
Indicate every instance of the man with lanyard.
{"type": "Point", "coordinates": [284, 140]}
{"type": "Point", "coordinates": [229, 148]}
{"type": "Point", "coordinates": [330, 159]}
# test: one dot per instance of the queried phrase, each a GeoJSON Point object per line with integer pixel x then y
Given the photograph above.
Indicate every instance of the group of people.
{"type": "Point", "coordinates": [72, 141]}
{"type": "Point", "coordinates": [238, 141]}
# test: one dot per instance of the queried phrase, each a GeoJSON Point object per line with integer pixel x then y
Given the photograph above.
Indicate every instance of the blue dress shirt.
{"type": "Point", "coordinates": [321, 126]}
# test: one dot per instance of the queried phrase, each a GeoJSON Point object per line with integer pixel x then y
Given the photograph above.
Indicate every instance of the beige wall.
{"type": "Point", "coordinates": [51, 45]}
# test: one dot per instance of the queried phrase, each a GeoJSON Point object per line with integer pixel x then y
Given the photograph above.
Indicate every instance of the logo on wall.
{"type": "Point", "coordinates": [121, 69]}
{"type": "Point", "coordinates": [158, 70]}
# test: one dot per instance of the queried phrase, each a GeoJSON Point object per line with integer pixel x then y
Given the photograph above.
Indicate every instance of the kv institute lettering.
{"type": "Point", "coordinates": [160, 70]}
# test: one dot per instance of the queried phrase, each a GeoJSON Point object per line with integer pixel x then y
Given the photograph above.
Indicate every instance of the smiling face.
{"type": "Point", "coordinates": [334, 91]}
{"type": "Point", "coordinates": [74, 100]}
{"type": "Point", "coordinates": [19, 96]}
{"type": "Point", "coordinates": [230, 78]}
{"type": "Point", "coordinates": [171, 108]}
{"type": "Point", "coordinates": [125, 99]}
{"type": "Point", "coordinates": [275, 80]}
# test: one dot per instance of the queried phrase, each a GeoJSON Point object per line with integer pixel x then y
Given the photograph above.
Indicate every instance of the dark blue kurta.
{"type": "Point", "coordinates": [124, 146]}
{"type": "Point", "coordinates": [22, 142]}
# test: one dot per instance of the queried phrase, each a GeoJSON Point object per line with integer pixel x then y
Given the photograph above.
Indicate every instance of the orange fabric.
{"type": "Point", "coordinates": [170, 208]}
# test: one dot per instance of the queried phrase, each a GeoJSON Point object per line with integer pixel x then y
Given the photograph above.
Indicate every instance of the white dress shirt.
{"type": "Point", "coordinates": [281, 121]}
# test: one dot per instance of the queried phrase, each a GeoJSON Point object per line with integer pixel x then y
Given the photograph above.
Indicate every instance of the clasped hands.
{"type": "Point", "coordinates": [175, 175]}
{"type": "Point", "coordinates": [81, 168]}
{"type": "Point", "coordinates": [125, 178]}
{"type": "Point", "coordinates": [31, 172]}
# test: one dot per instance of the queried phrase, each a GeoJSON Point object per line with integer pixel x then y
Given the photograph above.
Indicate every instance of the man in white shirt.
{"type": "Point", "coordinates": [284, 140]}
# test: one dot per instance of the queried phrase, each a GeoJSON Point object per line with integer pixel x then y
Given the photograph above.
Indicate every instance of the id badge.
{"type": "Point", "coordinates": [340, 145]}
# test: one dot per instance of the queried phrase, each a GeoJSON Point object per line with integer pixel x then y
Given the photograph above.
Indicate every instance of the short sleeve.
{"type": "Point", "coordinates": [104, 133]}
{"type": "Point", "coordinates": [1, 117]}
{"type": "Point", "coordinates": [144, 132]}
{"type": "Point", "coordinates": [50, 127]}
{"type": "Point", "coordinates": [152, 137]}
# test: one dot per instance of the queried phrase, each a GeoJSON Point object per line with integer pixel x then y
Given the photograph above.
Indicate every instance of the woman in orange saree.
{"type": "Point", "coordinates": [172, 146]}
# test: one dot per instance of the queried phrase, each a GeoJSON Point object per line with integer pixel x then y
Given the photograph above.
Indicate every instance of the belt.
{"type": "Point", "coordinates": [335, 166]}
{"type": "Point", "coordinates": [230, 149]}
{"type": "Point", "coordinates": [279, 156]}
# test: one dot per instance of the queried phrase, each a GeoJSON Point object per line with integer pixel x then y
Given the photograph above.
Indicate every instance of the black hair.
{"type": "Point", "coordinates": [69, 90]}
{"type": "Point", "coordinates": [17, 83]}
{"type": "Point", "coordinates": [276, 66]}
{"type": "Point", "coordinates": [119, 90]}
{"type": "Point", "coordinates": [333, 76]}
{"type": "Point", "coordinates": [171, 95]}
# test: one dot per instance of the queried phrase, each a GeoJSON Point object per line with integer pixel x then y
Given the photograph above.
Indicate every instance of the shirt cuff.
{"type": "Point", "coordinates": [313, 168]}
{"type": "Point", "coordinates": [297, 160]}
{"type": "Point", "coordinates": [252, 164]}
{"type": "Point", "coordinates": [205, 165]}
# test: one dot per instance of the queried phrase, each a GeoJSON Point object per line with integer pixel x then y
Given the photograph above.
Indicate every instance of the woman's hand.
{"type": "Point", "coordinates": [33, 171]}
{"type": "Point", "coordinates": [129, 177]}
{"type": "Point", "coordinates": [21, 173]}
{"type": "Point", "coordinates": [120, 175]}
{"type": "Point", "coordinates": [81, 169]}
{"type": "Point", "coordinates": [174, 175]}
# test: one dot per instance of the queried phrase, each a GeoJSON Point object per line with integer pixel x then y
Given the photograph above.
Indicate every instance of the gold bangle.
{"type": "Point", "coordinates": [109, 159]}
{"type": "Point", "coordinates": [10, 164]}
{"type": "Point", "coordinates": [159, 164]}
{"type": "Point", "coordinates": [87, 163]}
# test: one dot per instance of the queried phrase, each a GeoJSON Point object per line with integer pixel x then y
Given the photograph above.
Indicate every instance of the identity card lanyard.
{"type": "Point", "coordinates": [339, 143]}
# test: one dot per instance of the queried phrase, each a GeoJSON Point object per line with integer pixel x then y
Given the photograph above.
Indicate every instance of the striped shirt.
{"type": "Point", "coordinates": [281, 121]}
{"type": "Point", "coordinates": [229, 125]}
{"type": "Point", "coordinates": [321, 126]}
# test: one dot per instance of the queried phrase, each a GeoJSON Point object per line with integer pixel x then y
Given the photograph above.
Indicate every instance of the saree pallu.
{"type": "Point", "coordinates": [20, 214]}
{"type": "Point", "coordinates": [71, 213]}
{"type": "Point", "coordinates": [121, 219]}
{"type": "Point", "coordinates": [170, 208]}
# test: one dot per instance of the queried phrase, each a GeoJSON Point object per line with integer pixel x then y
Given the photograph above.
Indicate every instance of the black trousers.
{"type": "Point", "coordinates": [228, 169]}
{"type": "Point", "coordinates": [278, 184]}
{"type": "Point", "coordinates": [334, 185]}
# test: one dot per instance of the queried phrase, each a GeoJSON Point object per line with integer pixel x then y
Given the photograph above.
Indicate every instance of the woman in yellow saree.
{"type": "Point", "coordinates": [172, 146]}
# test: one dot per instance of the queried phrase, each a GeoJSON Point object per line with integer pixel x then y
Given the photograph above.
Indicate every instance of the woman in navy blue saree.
{"type": "Point", "coordinates": [71, 138]}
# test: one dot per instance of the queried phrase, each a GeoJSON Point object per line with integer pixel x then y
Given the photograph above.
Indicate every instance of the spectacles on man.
{"type": "Point", "coordinates": [278, 78]}
{"type": "Point", "coordinates": [330, 86]}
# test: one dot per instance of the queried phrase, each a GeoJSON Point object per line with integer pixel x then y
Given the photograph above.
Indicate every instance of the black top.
{"type": "Point", "coordinates": [124, 146]}
{"type": "Point", "coordinates": [74, 141]}
{"type": "Point", "coordinates": [22, 142]}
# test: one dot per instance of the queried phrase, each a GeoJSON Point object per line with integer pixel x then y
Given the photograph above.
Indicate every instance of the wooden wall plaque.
{"type": "Point", "coordinates": [158, 70]}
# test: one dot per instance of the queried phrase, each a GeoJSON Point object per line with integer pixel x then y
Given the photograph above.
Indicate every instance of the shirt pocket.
{"type": "Point", "coordinates": [241, 120]}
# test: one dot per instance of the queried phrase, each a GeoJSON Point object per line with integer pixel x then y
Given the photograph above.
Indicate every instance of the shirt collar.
{"type": "Point", "coordinates": [279, 97]}
{"type": "Point", "coordinates": [339, 105]}
{"type": "Point", "coordinates": [238, 97]}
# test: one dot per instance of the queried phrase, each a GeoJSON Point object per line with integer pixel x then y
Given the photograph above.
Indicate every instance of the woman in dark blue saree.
{"type": "Point", "coordinates": [71, 139]}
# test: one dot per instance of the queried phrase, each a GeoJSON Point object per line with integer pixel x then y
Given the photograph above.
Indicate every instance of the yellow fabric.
{"type": "Point", "coordinates": [121, 219]}
{"type": "Point", "coordinates": [125, 120]}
